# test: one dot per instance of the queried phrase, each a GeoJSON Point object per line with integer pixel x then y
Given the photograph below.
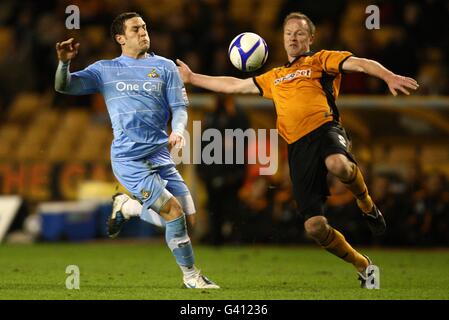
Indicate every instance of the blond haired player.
{"type": "Point", "coordinates": [304, 91]}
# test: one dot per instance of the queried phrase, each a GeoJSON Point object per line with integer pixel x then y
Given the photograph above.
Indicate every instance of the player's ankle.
{"type": "Point", "coordinates": [361, 263]}
{"type": "Point", "coordinates": [365, 204]}
{"type": "Point", "coordinates": [189, 271]}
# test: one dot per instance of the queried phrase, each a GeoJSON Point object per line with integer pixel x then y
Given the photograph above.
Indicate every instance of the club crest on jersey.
{"type": "Point", "coordinates": [307, 73]}
{"type": "Point", "coordinates": [153, 74]}
{"type": "Point", "coordinates": [145, 194]}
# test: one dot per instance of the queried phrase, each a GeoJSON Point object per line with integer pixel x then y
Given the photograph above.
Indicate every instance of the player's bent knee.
{"type": "Point", "coordinates": [161, 204]}
{"type": "Point", "coordinates": [316, 227]}
{"type": "Point", "coordinates": [167, 206]}
{"type": "Point", "coordinates": [172, 210]}
{"type": "Point", "coordinates": [339, 165]}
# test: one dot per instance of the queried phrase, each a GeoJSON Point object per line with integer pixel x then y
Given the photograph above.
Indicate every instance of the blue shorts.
{"type": "Point", "coordinates": [146, 181]}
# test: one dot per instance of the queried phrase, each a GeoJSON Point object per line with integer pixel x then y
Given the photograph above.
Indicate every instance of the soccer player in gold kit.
{"type": "Point", "coordinates": [304, 91]}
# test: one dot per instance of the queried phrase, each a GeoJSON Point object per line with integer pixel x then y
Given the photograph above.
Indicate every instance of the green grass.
{"type": "Point", "coordinates": [117, 270]}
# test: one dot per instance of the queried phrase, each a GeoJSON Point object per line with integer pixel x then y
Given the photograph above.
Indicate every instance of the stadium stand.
{"type": "Point", "coordinates": [402, 143]}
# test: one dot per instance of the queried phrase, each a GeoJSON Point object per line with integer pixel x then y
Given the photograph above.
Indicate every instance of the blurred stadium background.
{"type": "Point", "coordinates": [54, 150]}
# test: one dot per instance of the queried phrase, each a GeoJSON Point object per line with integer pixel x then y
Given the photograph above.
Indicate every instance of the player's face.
{"type": "Point", "coordinates": [297, 37]}
{"type": "Point", "coordinates": [136, 35]}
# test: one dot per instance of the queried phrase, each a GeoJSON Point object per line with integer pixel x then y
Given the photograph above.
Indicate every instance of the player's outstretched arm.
{"type": "Point", "coordinates": [217, 84]}
{"type": "Point", "coordinates": [66, 51]}
{"type": "Point", "coordinates": [395, 82]}
{"type": "Point", "coordinates": [82, 82]}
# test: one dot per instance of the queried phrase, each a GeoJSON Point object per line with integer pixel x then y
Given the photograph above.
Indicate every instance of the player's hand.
{"type": "Point", "coordinates": [396, 82]}
{"type": "Point", "coordinates": [67, 50]}
{"type": "Point", "coordinates": [184, 71]}
{"type": "Point", "coordinates": [176, 140]}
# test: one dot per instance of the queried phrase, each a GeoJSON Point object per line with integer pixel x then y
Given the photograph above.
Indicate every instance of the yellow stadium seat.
{"type": "Point", "coordinates": [26, 105]}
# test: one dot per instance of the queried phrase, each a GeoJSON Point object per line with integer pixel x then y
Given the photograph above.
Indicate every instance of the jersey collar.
{"type": "Point", "coordinates": [149, 55]}
{"type": "Point", "coordinates": [305, 54]}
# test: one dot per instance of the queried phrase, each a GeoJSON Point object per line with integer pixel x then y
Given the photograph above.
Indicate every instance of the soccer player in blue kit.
{"type": "Point", "coordinates": [141, 90]}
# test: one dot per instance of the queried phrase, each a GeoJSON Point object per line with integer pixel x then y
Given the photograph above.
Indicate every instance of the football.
{"type": "Point", "coordinates": [248, 51]}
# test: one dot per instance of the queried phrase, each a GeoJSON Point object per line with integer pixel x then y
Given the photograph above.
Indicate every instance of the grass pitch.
{"type": "Point", "coordinates": [118, 270]}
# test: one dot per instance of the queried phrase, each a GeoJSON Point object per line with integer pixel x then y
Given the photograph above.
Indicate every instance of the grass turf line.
{"type": "Point", "coordinates": [148, 271]}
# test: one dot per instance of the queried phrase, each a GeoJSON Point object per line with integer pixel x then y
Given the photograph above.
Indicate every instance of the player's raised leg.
{"type": "Point", "coordinates": [144, 184]}
{"type": "Point", "coordinates": [124, 208]}
{"type": "Point", "coordinates": [349, 174]}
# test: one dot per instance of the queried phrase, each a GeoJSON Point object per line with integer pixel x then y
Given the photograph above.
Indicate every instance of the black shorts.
{"type": "Point", "coordinates": [308, 171]}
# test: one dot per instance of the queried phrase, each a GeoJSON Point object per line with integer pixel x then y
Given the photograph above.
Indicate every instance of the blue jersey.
{"type": "Point", "coordinates": [139, 94]}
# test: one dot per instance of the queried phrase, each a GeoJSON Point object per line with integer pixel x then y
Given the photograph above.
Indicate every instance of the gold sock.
{"type": "Point", "coordinates": [336, 244]}
{"type": "Point", "coordinates": [356, 184]}
{"type": "Point", "coordinates": [366, 205]}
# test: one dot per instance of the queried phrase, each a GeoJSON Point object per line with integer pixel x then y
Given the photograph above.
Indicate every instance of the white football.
{"type": "Point", "coordinates": [248, 51]}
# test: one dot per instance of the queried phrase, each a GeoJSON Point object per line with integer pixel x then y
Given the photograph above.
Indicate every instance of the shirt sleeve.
{"type": "Point", "coordinates": [263, 83]}
{"type": "Point", "coordinates": [82, 82]}
{"type": "Point", "coordinates": [86, 81]}
{"type": "Point", "coordinates": [332, 61]}
{"type": "Point", "coordinates": [176, 92]}
{"type": "Point", "coordinates": [177, 99]}
{"type": "Point", "coordinates": [179, 119]}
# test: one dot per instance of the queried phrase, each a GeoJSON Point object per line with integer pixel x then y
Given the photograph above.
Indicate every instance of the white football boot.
{"type": "Point", "coordinates": [199, 281]}
{"type": "Point", "coordinates": [117, 218]}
